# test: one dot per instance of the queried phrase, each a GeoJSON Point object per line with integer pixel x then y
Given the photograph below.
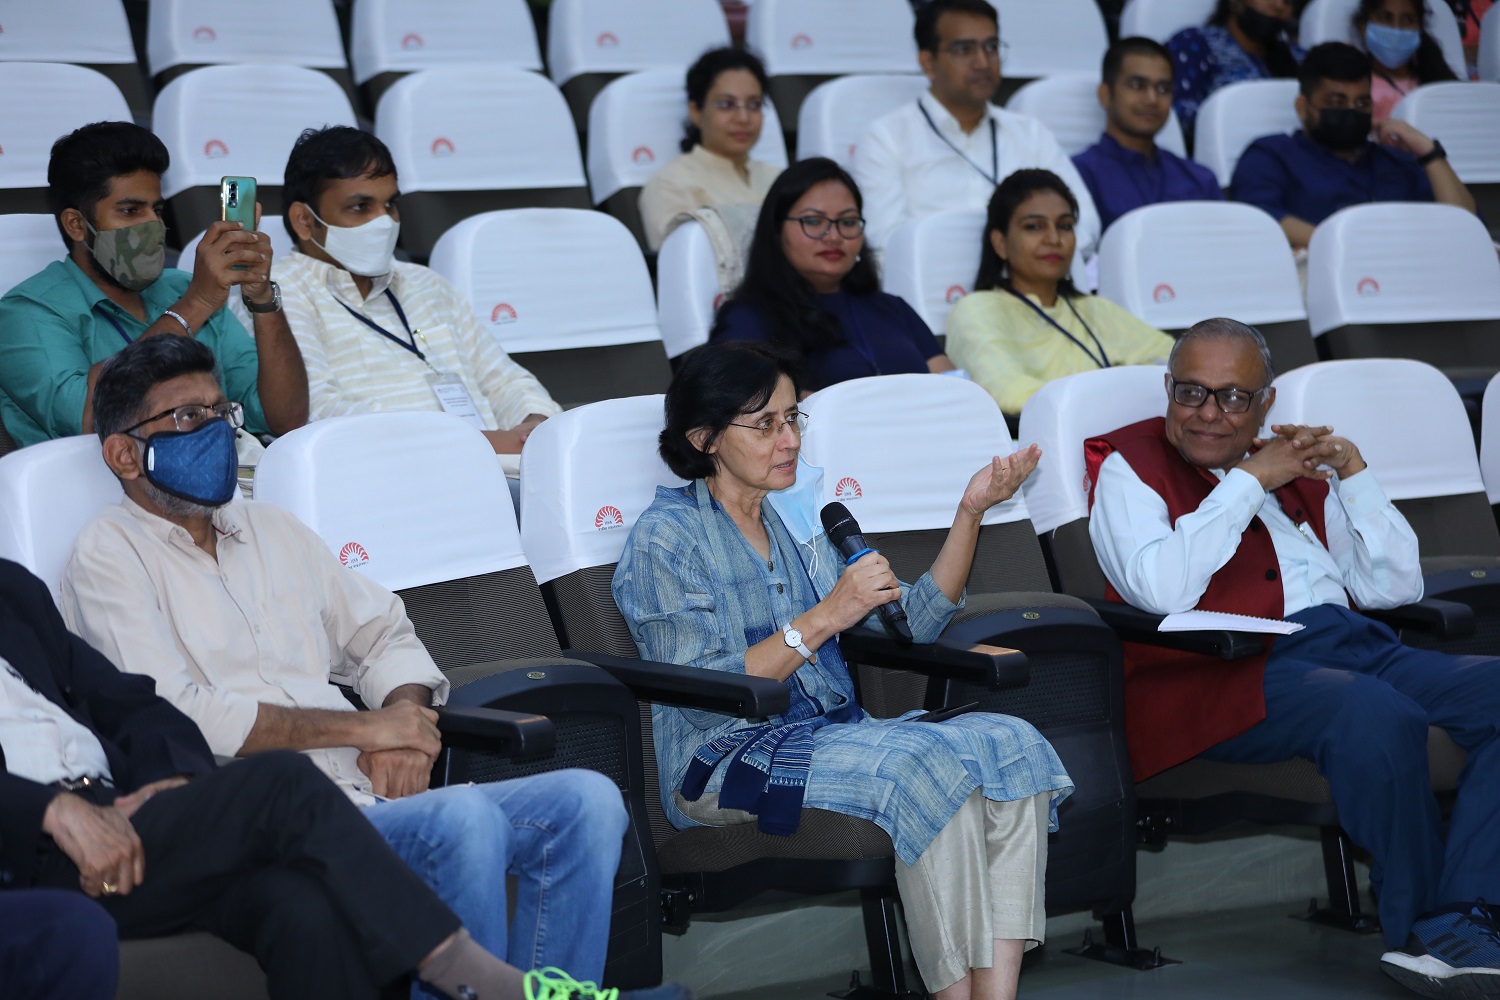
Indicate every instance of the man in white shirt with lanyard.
{"type": "Point", "coordinates": [950, 147]}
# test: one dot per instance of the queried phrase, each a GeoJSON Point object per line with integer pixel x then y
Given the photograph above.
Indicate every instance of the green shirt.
{"type": "Point", "coordinates": [57, 324]}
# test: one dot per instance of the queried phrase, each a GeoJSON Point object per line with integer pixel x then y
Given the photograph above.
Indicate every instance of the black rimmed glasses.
{"type": "Point", "coordinates": [1229, 400]}
{"type": "Point", "coordinates": [815, 227]}
{"type": "Point", "coordinates": [191, 416]}
{"type": "Point", "coordinates": [770, 426]}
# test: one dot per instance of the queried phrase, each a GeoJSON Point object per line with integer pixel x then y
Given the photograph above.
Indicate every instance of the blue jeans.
{"type": "Point", "coordinates": [558, 833]}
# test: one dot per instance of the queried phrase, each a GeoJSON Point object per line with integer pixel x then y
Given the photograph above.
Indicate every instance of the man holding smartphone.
{"type": "Point", "coordinates": [59, 326]}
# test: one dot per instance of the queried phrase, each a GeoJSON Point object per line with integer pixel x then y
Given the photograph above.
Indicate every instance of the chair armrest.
{"type": "Point", "coordinates": [515, 734]}
{"type": "Point", "coordinates": [739, 695]}
{"type": "Point", "coordinates": [1132, 624]}
{"type": "Point", "coordinates": [1433, 616]}
{"type": "Point", "coordinates": [975, 662]}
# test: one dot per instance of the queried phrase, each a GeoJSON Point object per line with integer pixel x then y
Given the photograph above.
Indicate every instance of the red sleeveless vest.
{"type": "Point", "coordinates": [1179, 704]}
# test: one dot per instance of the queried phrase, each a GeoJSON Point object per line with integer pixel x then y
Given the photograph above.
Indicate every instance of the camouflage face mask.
{"type": "Point", "coordinates": [134, 256]}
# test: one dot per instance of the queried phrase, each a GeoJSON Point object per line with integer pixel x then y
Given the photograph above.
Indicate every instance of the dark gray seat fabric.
{"type": "Point", "coordinates": [188, 967]}
{"type": "Point", "coordinates": [426, 215]}
{"type": "Point", "coordinates": [587, 375]}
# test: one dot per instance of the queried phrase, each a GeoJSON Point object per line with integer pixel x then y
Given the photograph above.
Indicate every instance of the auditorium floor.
{"type": "Point", "coordinates": [1249, 955]}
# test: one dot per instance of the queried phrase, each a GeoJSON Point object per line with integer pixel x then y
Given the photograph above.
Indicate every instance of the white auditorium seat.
{"type": "Point", "coordinates": [1058, 36]}
{"type": "Point", "coordinates": [390, 37]}
{"type": "Point", "coordinates": [1489, 441]}
{"type": "Point", "coordinates": [931, 263]}
{"type": "Point", "coordinates": [687, 288]}
{"type": "Point", "coordinates": [1236, 115]}
{"type": "Point", "coordinates": [1161, 19]}
{"type": "Point", "coordinates": [58, 98]}
{"type": "Point", "coordinates": [836, 113]}
{"type": "Point", "coordinates": [48, 492]}
{"type": "Point", "coordinates": [92, 33]}
{"type": "Point", "coordinates": [1068, 104]}
{"type": "Point", "coordinates": [1465, 116]}
{"type": "Point", "coordinates": [1489, 47]}
{"type": "Point", "coordinates": [1333, 21]}
{"type": "Point", "coordinates": [28, 243]}
{"type": "Point", "coordinates": [221, 32]}
{"type": "Point", "coordinates": [271, 225]}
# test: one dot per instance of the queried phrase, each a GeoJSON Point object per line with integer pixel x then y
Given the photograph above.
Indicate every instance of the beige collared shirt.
{"type": "Point", "coordinates": [696, 179]}
{"type": "Point", "coordinates": [273, 620]}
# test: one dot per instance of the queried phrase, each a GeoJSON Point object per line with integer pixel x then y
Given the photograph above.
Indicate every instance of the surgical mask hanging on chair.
{"type": "Point", "coordinates": [367, 250]}
{"type": "Point", "coordinates": [1392, 47]}
{"type": "Point", "coordinates": [200, 466]}
{"type": "Point", "coordinates": [134, 256]}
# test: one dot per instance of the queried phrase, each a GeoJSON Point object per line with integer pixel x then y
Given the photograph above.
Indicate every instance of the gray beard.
{"type": "Point", "coordinates": [174, 506]}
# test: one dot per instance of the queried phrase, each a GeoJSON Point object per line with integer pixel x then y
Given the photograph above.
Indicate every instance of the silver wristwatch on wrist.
{"type": "Point", "coordinates": [269, 307]}
{"type": "Point", "coordinates": [794, 640]}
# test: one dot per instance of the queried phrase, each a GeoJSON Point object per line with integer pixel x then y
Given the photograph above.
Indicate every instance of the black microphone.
{"type": "Point", "coordinates": [843, 531]}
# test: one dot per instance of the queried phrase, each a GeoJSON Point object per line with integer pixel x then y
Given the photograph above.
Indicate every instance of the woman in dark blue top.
{"type": "Point", "coordinates": [809, 291]}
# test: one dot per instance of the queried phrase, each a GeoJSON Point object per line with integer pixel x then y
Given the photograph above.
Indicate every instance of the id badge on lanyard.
{"type": "Point", "coordinates": [454, 396]}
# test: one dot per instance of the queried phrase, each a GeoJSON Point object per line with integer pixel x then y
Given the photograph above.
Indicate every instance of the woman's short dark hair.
{"type": "Point", "coordinates": [321, 156]}
{"type": "Point", "coordinates": [797, 322]}
{"type": "Point", "coordinates": [1430, 65]}
{"type": "Point", "coordinates": [1008, 197]}
{"type": "Point", "coordinates": [1280, 62]}
{"type": "Point", "coordinates": [716, 384]}
{"type": "Point", "coordinates": [84, 161]}
{"type": "Point", "coordinates": [700, 80]}
{"type": "Point", "coordinates": [128, 377]}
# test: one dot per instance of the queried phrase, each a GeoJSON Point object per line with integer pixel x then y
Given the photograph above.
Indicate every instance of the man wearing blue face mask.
{"type": "Point", "coordinates": [58, 326]}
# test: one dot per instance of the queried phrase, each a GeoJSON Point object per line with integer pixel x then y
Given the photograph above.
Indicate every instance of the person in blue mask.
{"type": "Point", "coordinates": [1403, 55]}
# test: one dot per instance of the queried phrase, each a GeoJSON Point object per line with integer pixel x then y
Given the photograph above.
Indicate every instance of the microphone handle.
{"type": "Point", "coordinates": [893, 617]}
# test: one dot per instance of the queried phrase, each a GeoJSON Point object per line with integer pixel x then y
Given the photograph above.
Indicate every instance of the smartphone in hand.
{"type": "Point", "coordinates": [237, 203]}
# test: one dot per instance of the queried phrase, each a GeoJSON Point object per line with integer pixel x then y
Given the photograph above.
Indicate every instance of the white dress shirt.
{"type": "Point", "coordinates": [1371, 554]}
{"type": "Point", "coordinates": [906, 170]}
{"type": "Point", "coordinates": [274, 619]}
{"type": "Point", "coordinates": [41, 741]}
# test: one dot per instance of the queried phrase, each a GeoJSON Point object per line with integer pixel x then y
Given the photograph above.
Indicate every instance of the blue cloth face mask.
{"type": "Point", "coordinates": [200, 466]}
{"type": "Point", "coordinates": [1392, 47]}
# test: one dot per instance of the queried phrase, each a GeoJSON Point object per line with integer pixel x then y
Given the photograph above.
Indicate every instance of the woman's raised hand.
{"type": "Point", "coordinates": [998, 481]}
{"type": "Point", "coordinates": [861, 588]}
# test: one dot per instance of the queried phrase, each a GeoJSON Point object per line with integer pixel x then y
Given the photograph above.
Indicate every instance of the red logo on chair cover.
{"type": "Point", "coordinates": [204, 33]}
{"type": "Point", "coordinates": [1163, 293]}
{"type": "Point", "coordinates": [643, 154]}
{"type": "Point", "coordinates": [503, 313]}
{"type": "Point", "coordinates": [718, 301]}
{"type": "Point", "coordinates": [607, 40]}
{"type": "Point", "coordinates": [214, 149]}
{"type": "Point", "coordinates": [851, 152]}
{"type": "Point", "coordinates": [412, 40]}
{"type": "Point", "coordinates": [848, 489]}
{"type": "Point", "coordinates": [442, 147]}
{"type": "Point", "coordinates": [1367, 286]}
{"type": "Point", "coordinates": [802, 41]}
{"type": "Point", "coordinates": [609, 517]}
{"type": "Point", "coordinates": [353, 555]}
{"type": "Point", "coordinates": [954, 293]}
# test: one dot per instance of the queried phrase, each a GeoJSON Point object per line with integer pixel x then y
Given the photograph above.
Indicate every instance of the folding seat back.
{"type": "Point", "coordinates": [1333, 21]}
{"type": "Point", "coordinates": [1489, 48]}
{"type": "Point", "coordinates": [1236, 115]}
{"type": "Point", "coordinates": [28, 243]}
{"type": "Point", "coordinates": [1467, 116]}
{"type": "Point", "coordinates": [590, 42]}
{"type": "Point", "coordinates": [1040, 39]}
{"type": "Point", "coordinates": [567, 293]}
{"type": "Point", "coordinates": [182, 34]}
{"type": "Point", "coordinates": [58, 99]}
{"type": "Point", "coordinates": [1168, 264]}
{"type": "Point", "coordinates": [92, 33]}
{"type": "Point", "coordinates": [635, 126]}
{"type": "Point", "coordinates": [271, 225]}
{"type": "Point", "coordinates": [1068, 104]}
{"type": "Point", "coordinates": [390, 38]}
{"type": "Point", "coordinates": [931, 263]}
{"type": "Point", "coordinates": [1407, 280]}
{"type": "Point", "coordinates": [471, 139]}
{"type": "Point", "coordinates": [1489, 442]}
{"type": "Point", "coordinates": [1161, 19]}
{"type": "Point", "coordinates": [805, 42]}
{"type": "Point", "coordinates": [688, 293]}
{"type": "Point", "coordinates": [48, 492]}
{"type": "Point", "coordinates": [443, 536]}
{"type": "Point", "coordinates": [211, 131]}
{"type": "Point", "coordinates": [836, 114]}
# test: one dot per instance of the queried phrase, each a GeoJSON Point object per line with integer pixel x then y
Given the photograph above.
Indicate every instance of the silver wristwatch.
{"type": "Point", "coordinates": [794, 640]}
{"type": "Point", "coordinates": [270, 307]}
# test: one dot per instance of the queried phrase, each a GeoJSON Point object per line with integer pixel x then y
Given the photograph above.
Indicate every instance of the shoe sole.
{"type": "Point", "coordinates": [1431, 977]}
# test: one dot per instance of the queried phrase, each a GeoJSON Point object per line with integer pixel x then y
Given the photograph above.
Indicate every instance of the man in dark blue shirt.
{"type": "Point", "coordinates": [1125, 169]}
{"type": "Point", "coordinates": [1332, 163]}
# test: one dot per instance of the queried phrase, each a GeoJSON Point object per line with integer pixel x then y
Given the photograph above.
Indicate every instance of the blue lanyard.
{"type": "Point", "coordinates": [118, 328]}
{"type": "Point", "coordinates": [1102, 360]}
{"type": "Point", "coordinates": [388, 335]}
{"type": "Point", "coordinates": [994, 175]}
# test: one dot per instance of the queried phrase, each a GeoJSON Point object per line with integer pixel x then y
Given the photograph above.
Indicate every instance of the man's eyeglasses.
{"type": "Point", "coordinates": [192, 415]}
{"type": "Point", "coordinates": [769, 427]}
{"type": "Point", "coordinates": [730, 104]}
{"type": "Point", "coordinates": [815, 227]}
{"type": "Point", "coordinates": [1228, 400]}
{"type": "Point", "coordinates": [968, 48]}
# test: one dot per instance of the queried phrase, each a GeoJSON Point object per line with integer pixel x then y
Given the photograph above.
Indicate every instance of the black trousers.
{"type": "Point", "coordinates": [271, 856]}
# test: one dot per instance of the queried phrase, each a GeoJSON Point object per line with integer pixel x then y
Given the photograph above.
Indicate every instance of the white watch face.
{"type": "Point", "coordinates": [793, 638]}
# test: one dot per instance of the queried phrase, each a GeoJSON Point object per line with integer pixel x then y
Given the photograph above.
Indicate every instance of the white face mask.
{"type": "Point", "coordinates": [364, 250]}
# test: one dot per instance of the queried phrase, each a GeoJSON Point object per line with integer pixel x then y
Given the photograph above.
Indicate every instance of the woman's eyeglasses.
{"type": "Point", "coordinates": [815, 227]}
{"type": "Point", "coordinates": [730, 104]}
{"type": "Point", "coordinates": [771, 426]}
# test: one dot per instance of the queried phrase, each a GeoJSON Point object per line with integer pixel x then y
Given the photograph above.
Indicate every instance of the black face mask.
{"type": "Point", "coordinates": [1262, 29]}
{"type": "Point", "coordinates": [1340, 129]}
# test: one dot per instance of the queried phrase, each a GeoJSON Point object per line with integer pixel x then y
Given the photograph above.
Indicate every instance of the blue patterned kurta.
{"type": "Point", "coordinates": [1205, 59]}
{"type": "Point", "coordinates": [694, 591]}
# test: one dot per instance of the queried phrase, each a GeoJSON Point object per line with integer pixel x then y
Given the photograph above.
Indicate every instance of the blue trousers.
{"type": "Point", "coordinates": [56, 945]}
{"type": "Point", "coordinates": [558, 833]}
{"type": "Point", "coordinates": [1346, 694]}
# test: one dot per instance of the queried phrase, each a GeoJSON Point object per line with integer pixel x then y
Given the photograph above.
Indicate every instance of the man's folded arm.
{"type": "Point", "coordinates": [1374, 546]}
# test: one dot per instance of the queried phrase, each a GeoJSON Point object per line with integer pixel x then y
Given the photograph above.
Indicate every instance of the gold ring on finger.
{"type": "Point", "coordinates": [109, 887]}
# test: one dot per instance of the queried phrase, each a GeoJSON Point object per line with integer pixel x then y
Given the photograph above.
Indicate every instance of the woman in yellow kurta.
{"type": "Point", "coordinates": [1025, 324]}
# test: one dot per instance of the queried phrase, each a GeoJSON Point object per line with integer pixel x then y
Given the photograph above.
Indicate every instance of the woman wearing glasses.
{"type": "Point", "coordinates": [711, 577]}
{"type": "Point", "coordinates": [726, 89]}
{"type": "Point", "coordinates": [810, 291]}
{"type": "Point", "coordinates": [1025, 324]}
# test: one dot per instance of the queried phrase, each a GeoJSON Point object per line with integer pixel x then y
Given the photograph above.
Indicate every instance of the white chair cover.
{"type": "Point", "coordinates": [48, 492]}
{"type": "Point", "coordinates": [586, 477]}
{"type": "Point", "coordinates": [65, 31]}
{"type": "Point", "coordinates": [814, 37]}
{"type": "Point", "coordinates": [271, 225]}
{"type": "Point", "coordinates": [1236, 115]}
{"type": "Point", "coordinates": [45, 102]}
{"type": "Point", "coordinates": [1333, 21]}
{"type": "Point", "coordinates": [1066, 412]}
{"type": "Point", "coordinates": [837, 113]}
{"type": "Point", "coordinates": [551, 279]}
{"type": "Point", "coordinates": [28, 243]}
{"type": "Point", "coordinates": [1466, 116]}
{"type": "Point", "coordinates": [931, 263]}
{"type": "Point", "coordinates": [403, 36]}
{"type": "Point", "coordinates": [608, 36]}
{"type": "Point", "coordinates": [1400, 262]}
{"type": "Point", "coordinates": [286, 32]}
{"type": "Point", "coordinates": [1176, 263]}
{"type": "Point", "coordinates": [898, 450]}
{"type": "Point", "coordinates": [635, 125]}
{"type": "Point", "coordinates": [1489, 440]}
{"type": "Point", "coordinates": [1056, 36]}
{"type": "Point", "coordinates": [478, 128]}
{"type": "Point", "coordinates": [1068, 104]}
{"type": "Point", "coordinates": [1161, 19]}
{"type": "Point", "coordinates": [687, 288]}
{"type": "Point", "coordinates": [213, 128]}
{"type": "Point", "coordinates": [1404, 416]}
{"type": "Point", "coordinates": [407, 499]}
{"type": "Point", "coordinates": [1489, 47]}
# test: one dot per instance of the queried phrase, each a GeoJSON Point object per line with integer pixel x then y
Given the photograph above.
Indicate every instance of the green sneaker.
{"type": "Point", "coordinates": [555, 984]}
